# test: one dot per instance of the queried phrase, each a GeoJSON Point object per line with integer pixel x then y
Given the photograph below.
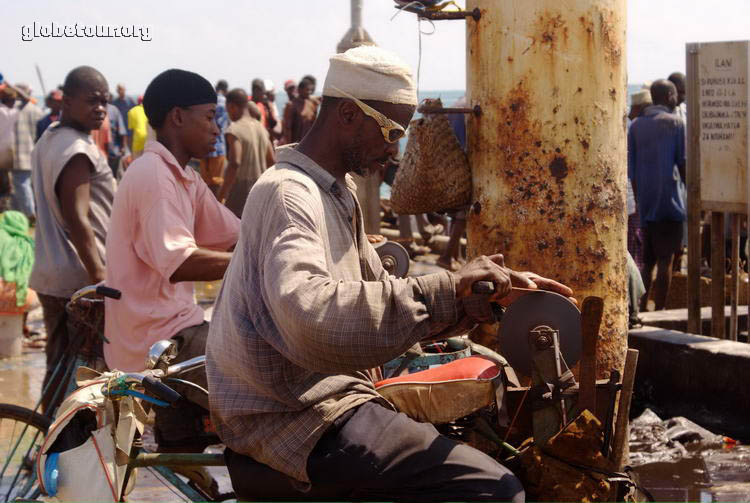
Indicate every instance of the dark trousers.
{"type": "Point", "coordinates": [181, 429]}
{"type": "Point", "coordinates": [377, 454]}
{"type": "Point", "coordinates": [58, 340]}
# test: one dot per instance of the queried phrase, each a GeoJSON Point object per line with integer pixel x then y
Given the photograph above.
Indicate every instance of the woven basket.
{"type": "Point", "coordinates": [434, 174]}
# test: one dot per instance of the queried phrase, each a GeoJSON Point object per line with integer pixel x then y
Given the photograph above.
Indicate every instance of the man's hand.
{"type": "Point", "coordinates": [532, 280]}
{"type": "Point", "coordinates": [484, 268]}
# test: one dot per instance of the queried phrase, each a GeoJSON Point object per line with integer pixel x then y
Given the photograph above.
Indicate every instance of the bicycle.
{"type": "Point", "coordinates": [23, 430]}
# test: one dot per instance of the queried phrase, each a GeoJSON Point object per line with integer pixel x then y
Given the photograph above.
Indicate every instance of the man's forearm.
{"type": "Point", "coordinates": [202, 265]}
{"type": "Point", "coordinates": [229, 177]}
{"type": "Point", "coordinates": [84, 241]}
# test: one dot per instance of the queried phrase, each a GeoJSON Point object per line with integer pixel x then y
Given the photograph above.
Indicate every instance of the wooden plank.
{"type": "Point", "coordinates": [718, 270]}
{"type": "Point", "coordinates": [734, 285]}
{"type": "Point", "coordinates": [724, 207]}
{"type": "Point", "coordinates": [693, 191]}
{"type": "Point", "coordinates": [591, 318]}
{"type": "Point", "coordinates": [622, 424]}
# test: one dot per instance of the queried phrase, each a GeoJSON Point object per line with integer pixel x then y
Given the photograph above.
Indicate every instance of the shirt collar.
{"type": "Point", "coordinates": [655, 109]}
{"type": "Point", "coordinates": [155, 147]}
{"type": "Point", "coordinates": [323, 178]}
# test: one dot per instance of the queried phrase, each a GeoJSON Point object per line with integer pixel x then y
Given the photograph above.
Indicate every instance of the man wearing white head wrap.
{"type": "Point", "coordinates": [306, 308]}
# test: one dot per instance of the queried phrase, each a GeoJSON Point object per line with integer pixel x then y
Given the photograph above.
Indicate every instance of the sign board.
{"type": "Point", "coordinates": [721, 76]}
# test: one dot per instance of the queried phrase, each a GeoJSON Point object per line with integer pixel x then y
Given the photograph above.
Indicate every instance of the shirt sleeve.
{"type": "Point", "coordinates": [680, 155]}
{"type": "Point", "coordinates": [215, 226]}
{"type": "Point", "coordinates": [165, 240]}
{"type": "Point", "coordinates": [328, 325]}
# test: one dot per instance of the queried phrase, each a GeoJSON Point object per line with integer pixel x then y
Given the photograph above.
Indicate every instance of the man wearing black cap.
{"type": "Point", "coordinates": [167, 230]}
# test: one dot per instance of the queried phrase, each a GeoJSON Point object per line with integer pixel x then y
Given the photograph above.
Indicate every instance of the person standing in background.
{"type": "Point", "coordinates": [299, 117]}
{"type": "Point", "coordinates": [8, 116]}
{"type": "Point", "coordinates": [25, 136]}
{"type": "Point", "coordinates": [249, 151]}
{"type": "Point", "coordinates": [679, 81]}
{"type": "Point", "coordinates": [73, 189]}
{"type": "Point", "coordinates": [123, 103]}
{"type": "Point", "coordinates": [656, 168]}
{"type": "Point", "coordinates": [212, 167]}
{"type": "Point", "coordinates": [291, 90]}
{"type": "Point", "coordinates": [54, 103]}
{"type": "Point", "coordinates": [258, 96]}
{"type": "Point", "coordinates": [273, 111]}
{"type": "Point", "coordinates": [137, 124]}
{"type": "Point", "coordinates": [117, 147]}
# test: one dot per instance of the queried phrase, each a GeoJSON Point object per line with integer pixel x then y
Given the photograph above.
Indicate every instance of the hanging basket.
{"type": "Point", "coordinates": [434, 174]}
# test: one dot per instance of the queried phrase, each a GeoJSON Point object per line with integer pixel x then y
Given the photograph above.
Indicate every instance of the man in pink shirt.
{"type": "Point", "coordinates": [167, 230]}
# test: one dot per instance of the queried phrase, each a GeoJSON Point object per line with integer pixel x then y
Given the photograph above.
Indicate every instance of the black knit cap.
{"type": "Point", "coordinates": [175, 88]}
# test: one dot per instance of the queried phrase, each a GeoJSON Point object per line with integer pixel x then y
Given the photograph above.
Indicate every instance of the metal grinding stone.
{"type": "Point", "coordinates": [533, 310]}
{"type": "Point", "coordinates": [394, 257]}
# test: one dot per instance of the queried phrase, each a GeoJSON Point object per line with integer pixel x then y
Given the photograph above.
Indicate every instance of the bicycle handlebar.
{"type": "Point", "coordinates": [160, 390]}
{"type": "Point", "coordinates": [102, 290]}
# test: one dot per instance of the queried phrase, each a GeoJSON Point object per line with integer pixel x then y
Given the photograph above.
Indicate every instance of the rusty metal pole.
{"type": "Point", "coordinates": [548, 153]}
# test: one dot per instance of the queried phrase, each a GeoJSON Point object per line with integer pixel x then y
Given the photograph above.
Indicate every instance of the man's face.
{"type": "Point", "coordinates": [54, 105]}
{"type": "Point", "coordinates": [291, 92]}
{"type": "Point", "coordinates": [680, 94]}
{"type": "Point", "coordinates": [673, 100]}
{"type": "Point", "coordinates": [198, 130]}
{"type": "Point", "coordinates": [87, 107]}
{"type": "Point", "coordinates": [367, 151]}
{"type": "Point", "coordinates": [121, 92]}
{"type": "Point", "coordinates": [259, 93]}
{"type": "Point", "coordinates": [304, 90]}
{"type": "Point", "coordinates": [234, 111]}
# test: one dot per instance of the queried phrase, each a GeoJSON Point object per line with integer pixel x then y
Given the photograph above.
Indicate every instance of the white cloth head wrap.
{"type": "Point", "coordinates": [642, 97]}
{"type": "Point", "coordinates": [370, 73]}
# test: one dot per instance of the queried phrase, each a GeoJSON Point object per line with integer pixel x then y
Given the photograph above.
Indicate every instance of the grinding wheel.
{"type": "Point", "coordinates": [394, 257]}
{"type": "Point", "coordinates": [534, 309]}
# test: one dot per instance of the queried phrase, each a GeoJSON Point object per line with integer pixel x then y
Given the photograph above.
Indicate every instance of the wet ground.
{"type": "Point", "coordinates": [677, 460]}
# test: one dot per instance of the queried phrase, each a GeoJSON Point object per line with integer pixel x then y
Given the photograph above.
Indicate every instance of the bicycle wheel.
{"type": "Point", "coordinates": [22, 432]}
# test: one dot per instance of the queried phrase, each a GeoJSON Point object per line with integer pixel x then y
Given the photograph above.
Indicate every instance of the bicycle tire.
{"type": "Point", "coordinates": [22, 432]}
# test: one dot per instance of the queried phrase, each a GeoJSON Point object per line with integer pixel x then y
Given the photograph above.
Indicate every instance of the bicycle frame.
{"type": "Point", "coordinates": [161, 463]}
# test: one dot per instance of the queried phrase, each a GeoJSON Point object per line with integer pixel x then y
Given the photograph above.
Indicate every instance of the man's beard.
{"type": "Point", "coordinates": [353, 159]}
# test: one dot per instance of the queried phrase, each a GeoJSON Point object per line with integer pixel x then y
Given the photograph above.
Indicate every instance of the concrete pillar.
{"type": "Point", "coordinates": [548, 153]}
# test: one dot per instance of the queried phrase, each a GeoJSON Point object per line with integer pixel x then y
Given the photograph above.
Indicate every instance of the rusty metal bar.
{"type": "Point", "coordinates": [734, 284]}
{"type": "Point", "coordinates": [718, 273]}
{"type": "Point", "coordinates": [694, 193]}
{"type": "Point", "coordinates": [438, 15]}
{"type": "Point", "coordinates": [425, 109]}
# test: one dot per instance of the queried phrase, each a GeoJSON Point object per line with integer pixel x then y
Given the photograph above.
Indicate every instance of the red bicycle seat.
{"type": "Point", "coordinates": [445, 393]}
{"type": "Point", "coordinates": [472, 367]}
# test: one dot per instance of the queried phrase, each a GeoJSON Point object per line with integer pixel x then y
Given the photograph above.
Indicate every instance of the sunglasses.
{"type": "Point", "coordinates": [392, 131]}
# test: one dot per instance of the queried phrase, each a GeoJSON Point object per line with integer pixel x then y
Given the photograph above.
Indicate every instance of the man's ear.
{"type": "Point", "coordinates": [175, 115]}
{"type": "Point", "coordinates": [347, 112]}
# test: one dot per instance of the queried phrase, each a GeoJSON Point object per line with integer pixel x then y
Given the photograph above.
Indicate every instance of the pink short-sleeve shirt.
{"type": "Point", "coordinates": [161, 214]}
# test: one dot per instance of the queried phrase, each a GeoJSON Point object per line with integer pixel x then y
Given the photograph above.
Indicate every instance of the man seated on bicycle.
{"type": "Point", "coordinates": [306, 308]}
{"type": "Point", "coordinates": [167, 230]}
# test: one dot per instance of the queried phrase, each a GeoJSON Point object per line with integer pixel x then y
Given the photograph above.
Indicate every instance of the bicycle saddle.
{"type": "Point", "coordinates": [445, 393]}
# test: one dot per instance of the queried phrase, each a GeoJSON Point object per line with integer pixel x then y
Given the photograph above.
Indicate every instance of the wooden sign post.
{"type": "Point", "coordinates": [718, 159]}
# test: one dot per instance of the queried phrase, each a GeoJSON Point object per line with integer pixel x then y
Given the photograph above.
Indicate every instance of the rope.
{"type": "Point", "coordinates": [419, 33]}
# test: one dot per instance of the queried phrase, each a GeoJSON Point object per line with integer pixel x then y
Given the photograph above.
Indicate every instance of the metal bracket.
{"type": "Point", "coordinates": [427, 109]}
{"type": "Point", "coordinates": [437, 15]}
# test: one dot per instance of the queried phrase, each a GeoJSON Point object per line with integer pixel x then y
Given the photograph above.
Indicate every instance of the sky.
{"type": "Point", "coordinates": [285, 39]}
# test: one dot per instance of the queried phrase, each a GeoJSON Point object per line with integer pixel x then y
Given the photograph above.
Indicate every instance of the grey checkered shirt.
{"type": "Point", "coordinates": [28, 116]}
{"type": "Point", "coordinates": [306, 307]}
